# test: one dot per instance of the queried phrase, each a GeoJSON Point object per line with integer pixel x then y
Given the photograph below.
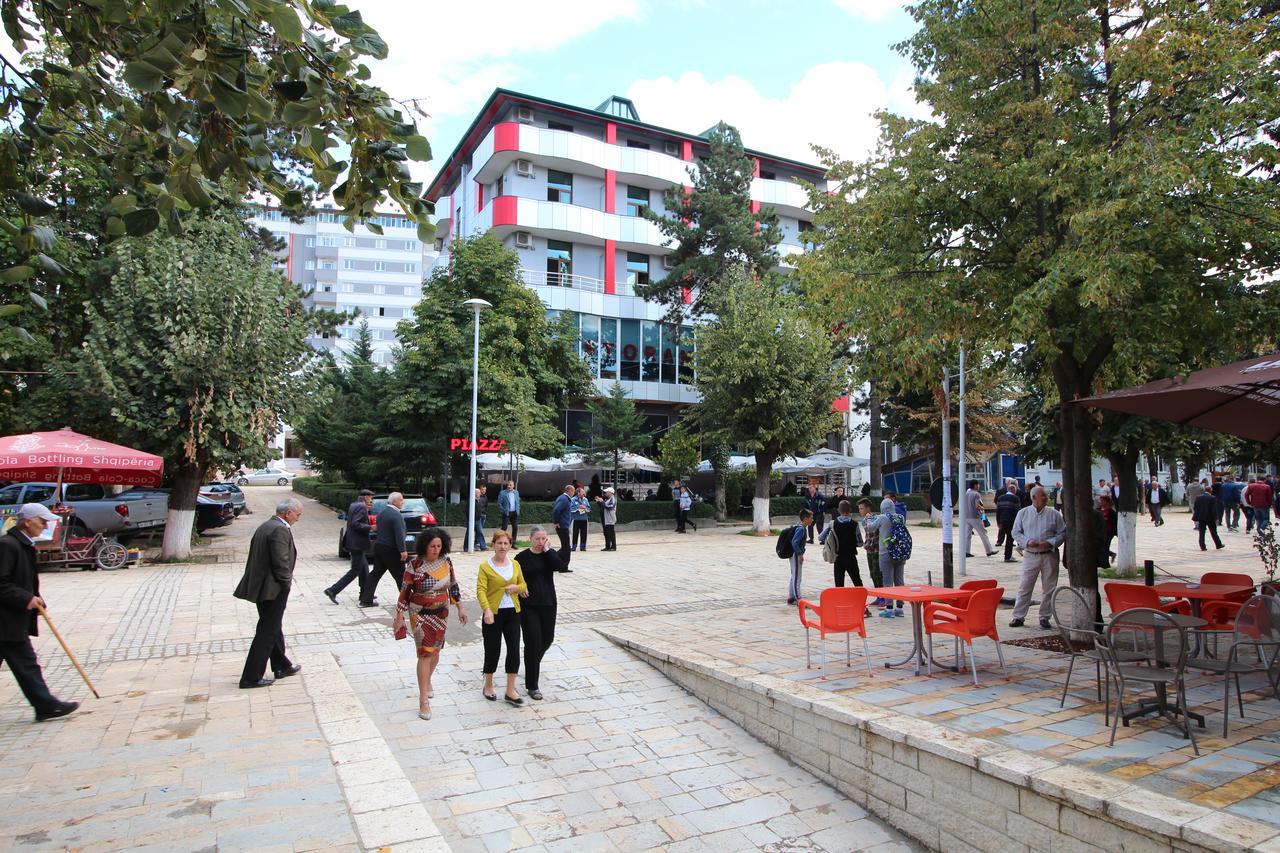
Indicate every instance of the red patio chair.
{"type": "Point", "coordinates": [976, 619]}
{"type": "Point", "coordinates": [1126, 596]}
{"type": "Point", "coordinates": [840, 610]}
{"type": "Point", "coordinates": [971, 587]}
{"type": "Point", "coordinates": [1220, 613]}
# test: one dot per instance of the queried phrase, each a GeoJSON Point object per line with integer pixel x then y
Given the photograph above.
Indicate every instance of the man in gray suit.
{"type": "Point", "coordinates": [268, 575]}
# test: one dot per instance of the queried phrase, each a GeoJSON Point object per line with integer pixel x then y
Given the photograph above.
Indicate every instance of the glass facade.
{"type": "Point", "coordinates": [634, 350]}
{"type": "Point", "coordinates": [559, 186]}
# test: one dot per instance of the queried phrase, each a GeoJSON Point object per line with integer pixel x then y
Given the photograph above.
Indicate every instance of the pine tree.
{"type": "Point", "coordinates": [713, 229]}
{"type": "Point", "coordinates": [617, 427]}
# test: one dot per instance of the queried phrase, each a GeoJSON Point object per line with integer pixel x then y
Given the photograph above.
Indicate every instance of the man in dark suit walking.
{"type": "Point", "coordinates": [356, 540]}
{"type": "Point", "coordinates": [389, 552]}
{"type": "Point", "coordinates": [268, 575]}
{"type": "Point", "coordinates": [1204, 512]}
{"type": "Point", "coordinates": [19, 600]}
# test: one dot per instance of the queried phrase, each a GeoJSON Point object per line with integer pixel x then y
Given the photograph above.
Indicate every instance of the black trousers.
{"type": "Point", "coordinates": [562, 533]}
{"type": "Point", "coordinates": [514, 518]}
{"type": "Point", "coordinates": [505, 628]}
{"type": "Point", "coordinates": [539, 625]}
{"type": "Point", "coordinates": [21, 658]}
{"type": "Point", "coordinates": [580, 533]}
{"type": "Point", "coordinates": [679, 518]}
{"type": "Point", "coordinates": [359, 571]}
{"type": "Point", "coordinates": [847, 568]}
{"type": "Point", "coordinates": [1213, 531]}
{"type": "Point", "coordinates": [1006, 536]}
{"type": "Point", "coordinates": [385, 560]}
{"type": "Point", "coordinates": [814, 528]}
{"type": "Point", "coordinates": [685, 520]}
{"type": "Point", "coordinates": [268, 640]}
{"type": "Point", "coordinates": [1156, 511]}
{"type": "Point", "coordinates": [610, 537]}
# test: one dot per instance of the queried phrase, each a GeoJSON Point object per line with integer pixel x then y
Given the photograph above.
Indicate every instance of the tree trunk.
{"type": "Point", "coordinates": [182, 512]}
{"type": "Point", "coordinates": [760, 503]}
{"type": "Point", "coordinates": [1125, 466]}
{"type": "Point", "coordinates": [874, 433]}
{"type": "Point", "coordinates": [1076, 427]}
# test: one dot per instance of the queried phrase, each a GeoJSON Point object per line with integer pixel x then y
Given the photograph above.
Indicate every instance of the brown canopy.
{"type": "Point", "coordinates": [1239, 399]}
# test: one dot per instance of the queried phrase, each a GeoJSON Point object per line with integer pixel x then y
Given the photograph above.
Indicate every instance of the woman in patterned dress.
{"type": "Point", "coordinates": [429, 587]}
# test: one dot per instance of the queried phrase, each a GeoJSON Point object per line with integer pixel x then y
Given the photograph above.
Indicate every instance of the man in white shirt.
{"type": "Point", "coordinates": [1039, 529]}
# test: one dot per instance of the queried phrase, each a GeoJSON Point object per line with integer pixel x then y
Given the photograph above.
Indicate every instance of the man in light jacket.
{"type": "Point", "coordinates": [509, 506]}
{"type": "Point", "coordinates": [1039, 530]}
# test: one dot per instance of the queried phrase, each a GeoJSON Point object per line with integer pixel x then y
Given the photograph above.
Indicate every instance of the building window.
{"type": "Point", "coordinates": [327, 217]}
{"type": "Point", "coordinates": [686, 356]}
{"type": "Point", "coordinates": [380, 288]}
{"type": "Point", "coordinates": [559, 186]}
{"type": "Point", "coordinates": [669, 354]}
{"type": "Point", "coordinates": [411, 245]}
{"type": "Point", "coordinates": [637, 269]}
{"type": "Point", "coordinates": [327, 265]}
{"type": "Point", "coordinates": [804, 229]}
{"type": "Point", "coordinates": [559, 125]}
{"type": "Point", "coordinates": [310, 265]}
{"type": "Point", "coordinates": [346, 287]}
{"type": "Point", "coordinates": [632, 143]}
{"type": "Point", "coordinates": [348, 264]}
{"type": "Point", "coordinates": [439, 244]}
{"type": "Point", "coordinates": [382, 312]}
{"type": "Point", "coordinates": [637, 200]}
{"type": "Point", "coordinates": [311, 242]}
{"type": "Point", "coordinates": [768, 176]}
{"type": "Point", "coordinates": [608, 348]}
{"type": "Point", "coordinates": [410, 267]}
{"type": "Point", "coordinates": [630, 350]}
{"type": "Point", "coordinates": [348, 242]}
{"type": "Point", "coordinates": [380, 266]}
{"type": "Point", "coordinates": [649, 352]}
{"type": "Point", "coordinates": [379, 244]}
{"type": "Point", "coordinates": [559, 263]}
{"type": "Point", "coordinates": [589, 341]}
{"type": "Point", "coordinates": [498, 186]}
{"type": "Point", "coordinates": [329, 241]}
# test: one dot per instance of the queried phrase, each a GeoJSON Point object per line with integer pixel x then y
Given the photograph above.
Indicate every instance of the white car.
{"type": "Point", "coordinates": [265, 477]}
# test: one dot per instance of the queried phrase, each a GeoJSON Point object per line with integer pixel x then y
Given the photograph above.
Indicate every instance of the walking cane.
{"type": "Point", "coordinates": [66, 649]}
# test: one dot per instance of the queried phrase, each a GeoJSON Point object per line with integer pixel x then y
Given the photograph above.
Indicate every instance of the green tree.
{"type": "Point", "coordinates": [713, 228]}
{"type": "Point", "coordinates": [529, 366]}
{"type": "Point", "coordinates": [678, 452]}
{"type": "Point", "coordinates": [183, 103]}
{"type": "Point", "coordinates": [617, 427]}
{"type": "Point", "coordinates": [200, 353]}
{"type": "Point", "coordinates": [767, 375]}
{"type": "Point", "coordinates": [1092, 186]}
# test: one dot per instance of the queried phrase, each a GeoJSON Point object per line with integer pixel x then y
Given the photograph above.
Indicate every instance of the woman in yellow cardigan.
{"type": "Point", "coordinates": [499, 587]}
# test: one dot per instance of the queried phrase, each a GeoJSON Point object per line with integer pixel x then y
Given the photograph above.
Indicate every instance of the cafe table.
{"type": "Point", "coordinates": [1160, 705]}
{"type": "Point", "coordinates": [918, 596]}
{"type": "Point", "coordinates": [1198, 594]}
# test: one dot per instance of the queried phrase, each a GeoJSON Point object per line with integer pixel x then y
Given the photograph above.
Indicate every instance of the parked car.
{"type": "Point", "coordinates": [226, 491]}
{"type": "Point", "coordinates": [212, 513]}
{"type": "Point", "coordinates": [417, 516]}
{"type": "Point", "coordinates": [129, 513]}
{"type": "Point", "coordinates": [265, 477]}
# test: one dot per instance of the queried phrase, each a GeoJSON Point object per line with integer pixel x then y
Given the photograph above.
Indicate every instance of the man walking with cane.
{"type": "Point", "coordinates": [1038, 529]}
{"type": "Point", "coordinates": [19, 602]}
{"type": "Point", "coordinates": [268, 576]}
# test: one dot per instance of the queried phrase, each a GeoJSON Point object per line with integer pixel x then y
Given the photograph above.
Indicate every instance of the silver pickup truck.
{"type": "Point", "coordinates": [131, 513]}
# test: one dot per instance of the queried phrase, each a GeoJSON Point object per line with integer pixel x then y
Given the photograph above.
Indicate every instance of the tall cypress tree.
{"type": "Point", "coordinates": [713, 228]}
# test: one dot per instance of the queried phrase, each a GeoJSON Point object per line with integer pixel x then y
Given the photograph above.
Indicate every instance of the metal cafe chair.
{"type": "Point", "coordinates": [1257, 627]}
{"type": "Point", "coordinates": [1152, 636]}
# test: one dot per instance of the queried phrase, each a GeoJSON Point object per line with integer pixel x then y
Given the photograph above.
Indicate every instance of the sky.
{"type": "Point", "coordinates": [786, 74]}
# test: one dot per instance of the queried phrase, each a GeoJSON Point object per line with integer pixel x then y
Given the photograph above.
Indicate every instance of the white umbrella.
{"type": "Point", "coordinates": [735, 463]}
{"type": "Point", "coordinates": [818, 463]}
{"type": "Point", "coordinates": [626, 462]}
{"type": "Point", "coordinates": [505, 462]}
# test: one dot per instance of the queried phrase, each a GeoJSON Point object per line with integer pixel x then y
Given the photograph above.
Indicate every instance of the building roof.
{"type": "Point", "coordinates": [611, 110]}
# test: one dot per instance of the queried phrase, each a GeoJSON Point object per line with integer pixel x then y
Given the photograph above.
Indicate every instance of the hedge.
{"type": "Point", "coordinates": [339, 496]}
{"type": "Point", "coordinates": [789, 507]}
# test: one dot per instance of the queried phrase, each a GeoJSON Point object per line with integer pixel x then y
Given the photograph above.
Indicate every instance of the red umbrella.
{"type": "Point", "coordinates": [66, 456]}
{"type": "Point", "coordinates": [1238, 399]}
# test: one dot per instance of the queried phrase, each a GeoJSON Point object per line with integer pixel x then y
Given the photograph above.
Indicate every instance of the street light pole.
{"type": "Point", "coordinates": [476, 305]}
{"type": "Point", "coordinates": [964, 475]}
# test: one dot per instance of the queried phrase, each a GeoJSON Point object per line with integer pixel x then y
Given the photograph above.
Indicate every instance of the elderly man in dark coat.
{"type": "Point", "coordinates": [19, 602]}
{"type": "Point", "coordinates": [268, 575]}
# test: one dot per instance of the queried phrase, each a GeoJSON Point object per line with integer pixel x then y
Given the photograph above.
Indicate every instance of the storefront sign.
{"type": "Point", "coordinates": [483, 445]}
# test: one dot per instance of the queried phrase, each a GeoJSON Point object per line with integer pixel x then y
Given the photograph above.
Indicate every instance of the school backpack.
{"type": "Point", "coordinates": [830, 546]}
{"type": "Point", "coordinates": [899, 540]}
{"type": "Point", "coordinates": [784, 549]}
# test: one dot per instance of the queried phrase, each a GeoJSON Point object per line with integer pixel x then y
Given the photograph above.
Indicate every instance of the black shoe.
{"type": "Point", "coordinates": [1010, 560]}
{"type": "Point", "coordinates": [968, 555]}
{"type": "Point", "coordinates": [492, 697]}
{"type": "Point", "coordinates": [367, 603]}
{"type": "Point", "coordinates": [568, 571]}
{"type": "Point", "coordinates": [516, 701]}
{"type": "Point", "coordinates": [331, 595]}
{"type": "Point", "coordinates": [1015, 623]}
{"type": "Point", "coordinates": [293, 669]}
{"type": "Point", "coordinates": [1045, 624]}
{"type": "Point", "coordinates": [535, 694]}
{"type": "Point", "coordinates": [791, 601]}
{"type": "Point", "coordinates": [261, 682]}
{"type": "Point", "coordinates": [1219, 547]}
{"type": "Point", "coordinates": [991, 553]}
{"type": "Point", "coordinates": [59, 710]}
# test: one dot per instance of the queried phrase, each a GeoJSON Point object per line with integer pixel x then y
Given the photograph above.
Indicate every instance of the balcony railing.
{"type": "Point", "coordinates": [542, 278]}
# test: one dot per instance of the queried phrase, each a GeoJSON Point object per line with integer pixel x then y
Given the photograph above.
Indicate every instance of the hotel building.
{"type": "Point", "coordinates": [563, 187]}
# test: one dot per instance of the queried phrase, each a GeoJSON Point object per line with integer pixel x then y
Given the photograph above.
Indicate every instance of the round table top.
{"type": "Point", "coordinates": [1204, 590]}
{"type": "Point", "coordinates": [1143, 616]}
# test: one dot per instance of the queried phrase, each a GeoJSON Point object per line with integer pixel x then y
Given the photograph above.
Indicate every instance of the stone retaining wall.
{"type": "Point", "coordinates": [946, 789]}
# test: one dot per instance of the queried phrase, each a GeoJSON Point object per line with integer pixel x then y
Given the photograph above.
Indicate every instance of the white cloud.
{"type": "Point", "coordinates": [869, 10]}
{"type": "Point", "coordinates": [830, 106]}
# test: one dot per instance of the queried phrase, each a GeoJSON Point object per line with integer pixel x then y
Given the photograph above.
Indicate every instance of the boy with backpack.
{"type": "Point", "coordinates": [791, 542]}
{"type": "Point", "coordinates": [890, 530]}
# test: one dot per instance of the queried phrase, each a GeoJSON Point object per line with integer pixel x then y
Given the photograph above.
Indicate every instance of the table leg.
{"type": "Point", "coordinates": [1160, 705]}
{"type": "Point", "coordinates": [917, 638]}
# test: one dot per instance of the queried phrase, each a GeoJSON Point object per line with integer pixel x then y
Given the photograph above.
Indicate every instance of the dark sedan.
{"type": "Point", "coordinates": [417, 516]}
{"type": "Point", "coordinates": [212, 513]}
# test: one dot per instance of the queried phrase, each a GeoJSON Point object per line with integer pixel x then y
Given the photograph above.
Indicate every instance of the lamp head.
{"type": "Point", "coordinates": [477, 305]}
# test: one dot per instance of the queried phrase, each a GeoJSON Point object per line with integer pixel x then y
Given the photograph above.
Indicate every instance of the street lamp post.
{"type": "Point", "coordinates": [476, 305]}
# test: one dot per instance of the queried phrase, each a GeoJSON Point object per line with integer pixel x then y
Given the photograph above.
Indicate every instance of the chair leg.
{"type": "Point", "coordinates": [1226, 702]}
{"type": "Point", "coordinates": [824, 654]}
{"type": "Point", "coordinates": [808, 662]}
{"type": "Point", "coordinates": [973, 664]}
{"type": "Point", "coordinates": [1000, 655]}
{"type": "Point", "coordinates": [1119, 711]}
{"type": "Point", "coordinates": [1239, 698]}
{"type": "Point", "coordinates": [1186, 717]}
{"type": "Point", "coordinates": [1097, 677]}
{"type": "Point", "coordinates": [928, 657]}
{"type": "Point", "coordinates": [1106, 703]}
{"type": "Point", "coordinates": [848, 660]}
{"type": "Point", "coordinates": [866, 654]}
{"type": "Point", "coordinates": [1067, 682]}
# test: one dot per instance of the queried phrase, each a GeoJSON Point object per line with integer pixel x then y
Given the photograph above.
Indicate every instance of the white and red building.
{"type": "Point", "coordinates": [563, 186]}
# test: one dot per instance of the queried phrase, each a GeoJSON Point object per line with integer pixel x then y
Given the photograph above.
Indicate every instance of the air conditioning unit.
{"type": "Point", "coordinates": [668, 262]}
{"type": "Point", "coordinates": [524, 115]}
{"type": "Point", "coordinates": [524, 168]}
{"type": "Point", "coordinates": [672, 148]}
{"type": "Point", "coordinates": [524, 240]}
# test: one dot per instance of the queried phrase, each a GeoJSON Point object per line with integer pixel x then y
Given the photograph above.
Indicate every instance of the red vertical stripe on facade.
{"type": "Point", "coordinates": [610, 191]}
{"type": "Point", "coordinates": [610, 265]}
{"type": "Point", "coordinates": [480, 197]}
{"type": "Point", "coordinates": [686, 295]}
{"type": "Point", "coordinates": [504, 210]}
{"type": "Point", "coordinates": [611, 133]}
{"type": "Point", "coordinates": [288, 261]}
{"type": "Point", "coordinates": [506, 136]}
{"type": "Point", "coordinates": [755, 206]}
{"type": "Point", "coordinates": [755, 162]}
{"type": "Point", "coordinates": [686, 150]}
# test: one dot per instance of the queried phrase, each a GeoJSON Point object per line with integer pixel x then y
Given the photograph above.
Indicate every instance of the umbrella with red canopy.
{"type": "Point", "coordinates": [69, 457]}
{"type": "Point", "coordinates": [1240, 399]}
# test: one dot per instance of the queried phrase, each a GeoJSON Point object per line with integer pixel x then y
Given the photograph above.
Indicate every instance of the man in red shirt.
{"type": "Point", "coordinates": [1258, 497]}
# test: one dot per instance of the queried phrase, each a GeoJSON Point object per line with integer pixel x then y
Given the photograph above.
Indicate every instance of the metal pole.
{"type": "Point", "coordinates": [964, 475]}
{"type": "Point", "coordinates": [948, 538]}
{"type": "Point", "coordinates": [475, 404]}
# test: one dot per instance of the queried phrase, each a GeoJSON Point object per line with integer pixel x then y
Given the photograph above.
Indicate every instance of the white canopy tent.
{"type": "Point", "coordinates": [626, 462]}
{"type": "Point", "coordinates": [507, 462]}
{"type": "Point", "coordinates": [819, 463]}
{"type": "Point", "coordinates": [735, 463]}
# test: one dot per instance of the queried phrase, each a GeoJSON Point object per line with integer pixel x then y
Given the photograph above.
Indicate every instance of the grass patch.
{"type": "Point", "coordinates": [773, 531]}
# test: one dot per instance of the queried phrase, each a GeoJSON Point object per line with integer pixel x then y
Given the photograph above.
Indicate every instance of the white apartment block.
{"type": "Point", "coordinates": [380, 275]}
{"type": "Point", "coordinates": [563, 186]}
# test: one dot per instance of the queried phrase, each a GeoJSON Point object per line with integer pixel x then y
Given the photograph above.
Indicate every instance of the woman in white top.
{"type": "Point", "coordinates": [686, 504]}
{"type": "Point", "coordinates": [499, 587]}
